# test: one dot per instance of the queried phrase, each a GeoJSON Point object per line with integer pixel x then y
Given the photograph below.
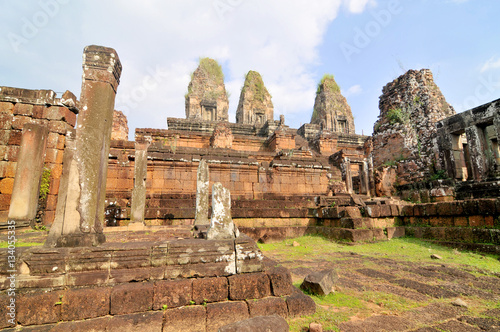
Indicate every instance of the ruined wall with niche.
{"type": "Point", "coordinates": [255, 105]}
{"type": "Point", "coordinates": [17, 108]}
{"type": "Point", "coordinates": [404, 138]}
{"type": "Point", "coordinates": [206, 98]}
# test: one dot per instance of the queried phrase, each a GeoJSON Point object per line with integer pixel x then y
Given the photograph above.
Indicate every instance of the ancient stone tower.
{"type": "Point", "coordinates": [405, 132]}
{"type": "Point", "coordinates": [206, 98]}
{"type": "Point", "coordinates": [255, 106]}
{"type": "Point", "coordinates": [331, 109]}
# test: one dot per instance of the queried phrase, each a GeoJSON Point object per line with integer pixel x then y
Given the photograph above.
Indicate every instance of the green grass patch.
{"type": "Point", "coordinates": [404, 249]}
{"type": "Point", "coordinates": [328, 318]}
{"type": "Point", "coordinates": [5, 244]}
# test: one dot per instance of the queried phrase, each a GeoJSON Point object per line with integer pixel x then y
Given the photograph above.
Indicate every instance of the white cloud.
{"type": "Point", "coordinates": [491, 64]}
{"type": "Point", "coordinates": [279, 39]}
{"type": "Point", "coordinates": [358, 6]}
{"type": "Point", "coordinates": [352, 91]}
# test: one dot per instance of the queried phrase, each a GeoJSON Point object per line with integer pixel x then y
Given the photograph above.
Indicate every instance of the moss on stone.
{"type": "Point", "coordinates": [254, 82]}
{"type": "Point", "coordinates": [212, 69]}
{"type": "Point", "coordinates": [328, 83]}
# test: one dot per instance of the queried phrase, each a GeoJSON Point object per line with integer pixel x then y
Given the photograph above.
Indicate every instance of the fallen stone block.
{"type": "Point", "coordinates": [320, 283]}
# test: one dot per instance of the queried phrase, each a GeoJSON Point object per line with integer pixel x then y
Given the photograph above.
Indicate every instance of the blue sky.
{"type": "Point", "coordinates": [364, 43]}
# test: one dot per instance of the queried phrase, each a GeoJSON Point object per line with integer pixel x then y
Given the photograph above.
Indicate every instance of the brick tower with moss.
{"type": "Point", "coordinates": [255, 106]}
{"type": "Point", "coordinates": [331, 109]}
{"type": "Point", "coordinates": [207, 99]}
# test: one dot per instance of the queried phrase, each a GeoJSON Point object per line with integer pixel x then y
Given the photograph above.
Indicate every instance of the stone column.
{"type": "Point", "coordinates": [30, 161]}
{"type": "Point", "coordinates": [348, 176]}
{"type": "Point", "coordinates": [475, 140]}
{"type": "Point", "coordinates": [202, 181]}
{"type": "Point", "coordinates": [364, 181]}
{"type": "Point", "coordinates": [222, 226]}
{"type": "Point", "coordinates": [82, 210]}
{"type": "Point", "coordinates": [139, 191]}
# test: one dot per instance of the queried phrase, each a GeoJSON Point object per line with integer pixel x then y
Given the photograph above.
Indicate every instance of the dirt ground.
{"type": "Point", "coordinates": [403, 296]}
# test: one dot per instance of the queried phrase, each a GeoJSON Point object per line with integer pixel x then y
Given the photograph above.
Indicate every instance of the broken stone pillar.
{"type": "Point", "coordinates": [222, 226]}
{"type": "Point", "coordinates": [80, 214]}
{"type": "Point", "coordinates": [364, 177]}
{"type": "Point", "coordinates": [347, 172]}
{"type": "Point", "coordinates": [139, 191]}
{"type": "Point", "coordinates": [30, 160]}
{"type": "Point", "coordinates": [475, 140]}
{"type": "Point", "coordinates": [202, 180]}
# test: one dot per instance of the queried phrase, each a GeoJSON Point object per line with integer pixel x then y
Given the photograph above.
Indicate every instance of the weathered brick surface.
{"type": "Point", "coordinates": [281, 281]}
{"type": "Point", "coordinates": [300, 304]}
{"type": "Point", "coordinates": [91, 325]}
{"type": "Point", "coordinates": [39, 308]}
{"type": "Point", "coordinates": [267, 306]}
{"type": "Point", "coordinates": [210, 289]}
{"type": "Point", "coordinates": [186, 319]}
{"type": "Point", "coordinates": [129, 298]}
{"type": "Point", "coordinates": [223, 313]}
{"type": "Point", "coordinates": [172, 293]}
{"type": "Point", "coordinates": [23, 109]}
{"type": "Point", "coordinates": [78, 304]}
{"type": "Point", "coordinates": [140, 322]}
{"type": "Point", "coordinates": [249, 286]}
{"type": "Point", "coordinates": [6, 186]}
{"type": "Point", "coordinates": [4, 310]}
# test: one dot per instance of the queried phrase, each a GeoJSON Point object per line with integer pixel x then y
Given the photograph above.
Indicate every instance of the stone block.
{"type": "Point", "coordinates": [470, 207]}
{"type": "Point", "coordinates": [385, 210]}
{"type": "Point", "coordinates": [84, 303]}
{"type": "Point", "coordinates": [373, 211]}
{"type": "Point", "coordinates": [476, 221]}
{"type": "Point", "coordinates": [300, 304]}
{"type": "Point", "coordinates": [320, 282]}
{"type": "Point", "coordinates": [258, 324]}
{"type": "Point", "coordinates": [12, 152]}
{"type": "Point", "coordinates": [6, 107]}
{"type": "Point", "coordinates": [91, 325]}
{"type": "Point", "coordinates": [38, 111]}
{"type": "Point", "coordinates": [210, 290]}
{"type": "Point", "coordinates": [281, 281]}
{"type": "Point", "coordinates": [4, 136]}
{"type": "Point", "coordinates": [19, 121]}
{"type": "Point", "coordinates": [486, 206]}
{"type": "Point", "coordinates": [224, 313]}
{"type": "Point", "coordinates": [172, 293]}
{"type": "Point", "coordinates": [15, 137]}
{"type": "Point", "coordinates": [7, 311]}
{"type": "Point", "coordinates": [6, 121]}
{"type": "Point", "coordinates": [23, 109]}
{"type": "Point", "coordinates": [186, 319]}
{"type": "Point", "coordinates": [407, 210]}
{"type": "Point", "coordinates": [129, 298]}
{"type": "Point", "coordinates": [140, 322]}
{"type": "Point", "coordinates": [136, 274]}
{"type": "Point", "coordinates": [395, 232]}
{"type": "Point", "coordinates": [59, 127]}
{"type": "Point", "coordinates": [460, 221]}
{"type": "Point", "coordinates": [6, 186]}
{"type": "Point", "coordinates": [249, 286]}
{"type": "Point", "coordinates": [39, 308]}
{"type": "Point", "coordinates": [267, 306]}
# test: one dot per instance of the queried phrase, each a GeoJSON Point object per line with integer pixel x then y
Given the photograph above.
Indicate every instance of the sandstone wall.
{"type": "Point", "coordinates": [21, 106]}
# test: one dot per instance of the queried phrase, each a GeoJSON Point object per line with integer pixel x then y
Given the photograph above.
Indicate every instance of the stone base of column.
{"type": "Point", "coordinates": [81, 240]}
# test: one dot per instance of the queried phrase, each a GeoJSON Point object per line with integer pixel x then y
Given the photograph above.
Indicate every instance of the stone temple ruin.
{"type": "Point", "coordinates": [210, 188]}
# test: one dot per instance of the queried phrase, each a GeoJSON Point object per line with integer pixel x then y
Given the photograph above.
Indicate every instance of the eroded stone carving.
{"type": "Point", "coordinates": [222, 226]}
{"type": "Point", "coordinates": [202, 182]}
